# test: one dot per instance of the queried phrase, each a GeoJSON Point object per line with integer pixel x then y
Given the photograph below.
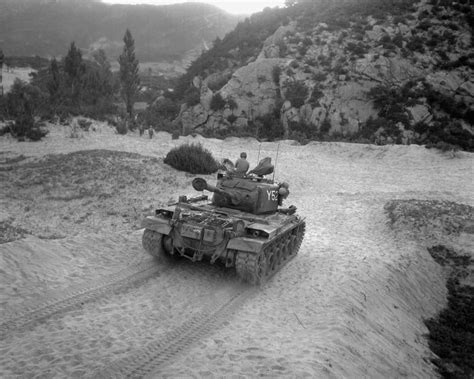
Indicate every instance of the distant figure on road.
{"type": "Point", "coordinates": [241, 165]}
{"type": "Point", "coordinates": [150, 132]}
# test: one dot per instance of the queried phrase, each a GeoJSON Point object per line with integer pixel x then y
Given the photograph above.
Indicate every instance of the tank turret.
{"type": "Point", "coordinates": [245, 194]}
{"type": "Point", "coordinates": [232, 197]}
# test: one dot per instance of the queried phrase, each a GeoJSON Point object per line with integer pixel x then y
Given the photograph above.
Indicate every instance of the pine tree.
{"type": "Point", "coordinates": [2, 57]}
{"type": "Point", "coordinates": [54, 82]}
{"type": "Point", "coordinates": [105, 76]}
{"type": "Point", "coordinates": [74, 68]}
{"type": "Point", "coordinates": [129, 79]}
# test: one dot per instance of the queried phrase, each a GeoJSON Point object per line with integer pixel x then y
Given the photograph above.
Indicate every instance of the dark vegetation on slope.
{"type": "Point", "coordinates": [347, 19]}
{"type": "Point", "coordinates": [451, 332]}
{"type": "Point", "coordinates": [451, 335]}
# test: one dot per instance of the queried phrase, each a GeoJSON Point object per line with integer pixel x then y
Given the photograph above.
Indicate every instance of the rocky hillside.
{"type": "Point", "coordinates": [378, 71]}
{"type": "Point", "coordinates": [47, 27]}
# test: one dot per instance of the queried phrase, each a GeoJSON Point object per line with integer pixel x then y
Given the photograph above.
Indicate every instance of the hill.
{"type": "Point", "coordinates": [373, 71]}
{"type": "Point", "coordinates": [47, 27]}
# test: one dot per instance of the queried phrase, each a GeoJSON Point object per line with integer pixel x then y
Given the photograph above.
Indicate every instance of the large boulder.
{"type": "Point", "coordinates": [420, 113]}
{"type": "Point", "coordinates": [381, 69]}
{"type": "Point", "coordinates": [252, 87]}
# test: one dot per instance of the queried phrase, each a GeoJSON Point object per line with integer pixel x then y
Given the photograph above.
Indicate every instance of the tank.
{"type": "Point", "coordinates": [243, 226]}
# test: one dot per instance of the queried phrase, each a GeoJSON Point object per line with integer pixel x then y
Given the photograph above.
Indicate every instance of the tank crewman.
{"type": "Point", "coordinates": [241, 165]}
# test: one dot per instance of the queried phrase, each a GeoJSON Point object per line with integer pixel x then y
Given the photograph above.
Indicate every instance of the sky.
{"type": "Point", "coordinates": [244, 7]}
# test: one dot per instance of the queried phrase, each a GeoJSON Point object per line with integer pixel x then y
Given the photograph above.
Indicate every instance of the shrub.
{"type": "Point", "coordinates": [232, 103]}
{"type": "Point", "coordinates": [320, 76]}
{"type": "Point", "coordinates": [416, 44]}
{"type": "Point", "coordinates": [192, 158]}
{"type": "Point", "coordinates": [325, 126]}
{"type": "Point", "coordinates": [24, 98]}
{"type": "Point", "coordinates": [302, 50]}
{"type": "Point", "coordinates": [302, 132]}
{"type": "Point", "coordinates": [446, 131]}
{"type": "Point", "coordinates": [398, 40]}
{"type": "Point", "coordinates": [276, 73]}
{"type": "Point", "coordinates": [121, 127]}
{"type": "Point", "coordinates": [283, 49]}
{"type": "Point", "coordinates": [269, 127]}
{"type": "Point", "coordinates": [294, 64]}
{"type": "Point", "coordinates": [84, 124]}
{"type": "Point", "coordinates": [25, 127]}
{"type": "Point", "coordinates": [316, 94]}
{"type": "Point", "coordinates": [192, 96]}
{"type": "Point", "coordinates": [425, 25]}
{"type": "Point", "coordinates": [369, 128]}
{"type": "Point", "coordinates": [231, 118]}
{"type": "Point", "coordinates": [339, 69]}
{"type": "Point", "coordinates": [217, 102]}
{"type": "Point", "coordinates": [310, 61]}
{"type": "Point", "coordinates": [296, 93]}
{"type": "Point", "coordinates": [307, 41]}
{"type": "Point", "coordinates": [357, 49]}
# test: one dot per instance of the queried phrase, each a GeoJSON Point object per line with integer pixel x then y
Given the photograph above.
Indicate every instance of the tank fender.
{"type": "Point", "coordinates": [268, 230]}
{"type": "Point", "coordinates": [158, 224]}
{"type": "Point", "coordinates": [246, 244]}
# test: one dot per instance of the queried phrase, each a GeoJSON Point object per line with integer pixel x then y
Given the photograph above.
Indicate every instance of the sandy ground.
{"type": "Point", "coordinates": [351, 304]}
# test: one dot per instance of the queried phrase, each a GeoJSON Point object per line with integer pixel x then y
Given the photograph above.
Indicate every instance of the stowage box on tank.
{"type": "Point", "coordinates": [244, 226]}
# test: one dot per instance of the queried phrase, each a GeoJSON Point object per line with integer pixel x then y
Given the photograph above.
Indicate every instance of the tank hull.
{"type": "Point", "coordinates": [257, 246]}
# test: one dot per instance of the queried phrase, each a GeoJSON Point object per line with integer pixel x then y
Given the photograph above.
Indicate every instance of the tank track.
{"type": "Point", "coordinates": [257, 268]}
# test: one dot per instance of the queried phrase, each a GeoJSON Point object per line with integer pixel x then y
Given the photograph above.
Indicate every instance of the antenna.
{"type": "Point", "coordinates": [276, 160]}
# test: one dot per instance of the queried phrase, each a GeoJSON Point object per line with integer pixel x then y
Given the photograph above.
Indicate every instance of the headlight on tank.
{"type": "Point", "coordinates": [255, 233]}
{"type": "Point", "coordinates": [164, 213]}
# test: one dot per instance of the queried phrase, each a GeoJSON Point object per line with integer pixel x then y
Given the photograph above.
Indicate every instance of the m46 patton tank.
{"type": "Point", "coordinates": [243, 226]}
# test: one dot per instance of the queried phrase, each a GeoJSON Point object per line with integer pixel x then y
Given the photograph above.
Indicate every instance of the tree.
{"type": "Point", "coordinates": [74, 68]}
{"type": "Point", "coordinates": [24, 101]}
{"type": "Point", "coordinates": [98, 82]}
{"type": "Point", "coordinates": [54, 83]}
{"type": "Point", "coordinates": [105, 73]}
{"type": "Point", "coordinates": [1, 69]}
{"type": "Point", "coordinates": [129, 79]}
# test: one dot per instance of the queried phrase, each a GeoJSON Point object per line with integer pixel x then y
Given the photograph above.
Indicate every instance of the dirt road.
{"type": "Point", "coordinates": [80, 297]}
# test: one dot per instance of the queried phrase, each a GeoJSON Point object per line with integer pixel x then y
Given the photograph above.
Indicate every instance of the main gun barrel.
{"type": "Point", "coordinates": [199, 184]}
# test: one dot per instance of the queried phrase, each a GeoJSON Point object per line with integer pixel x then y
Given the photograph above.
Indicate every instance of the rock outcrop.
{"type": "Point", "coordinates": [422, 53]}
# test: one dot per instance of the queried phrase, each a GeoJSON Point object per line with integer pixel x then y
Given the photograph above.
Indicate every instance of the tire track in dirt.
{"type": "Point", "coordinates": [159, 353]}
{"type": "Point", "coordinates": [116, 328]}
{"type": "Point", "coordinates": [74, 297]}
